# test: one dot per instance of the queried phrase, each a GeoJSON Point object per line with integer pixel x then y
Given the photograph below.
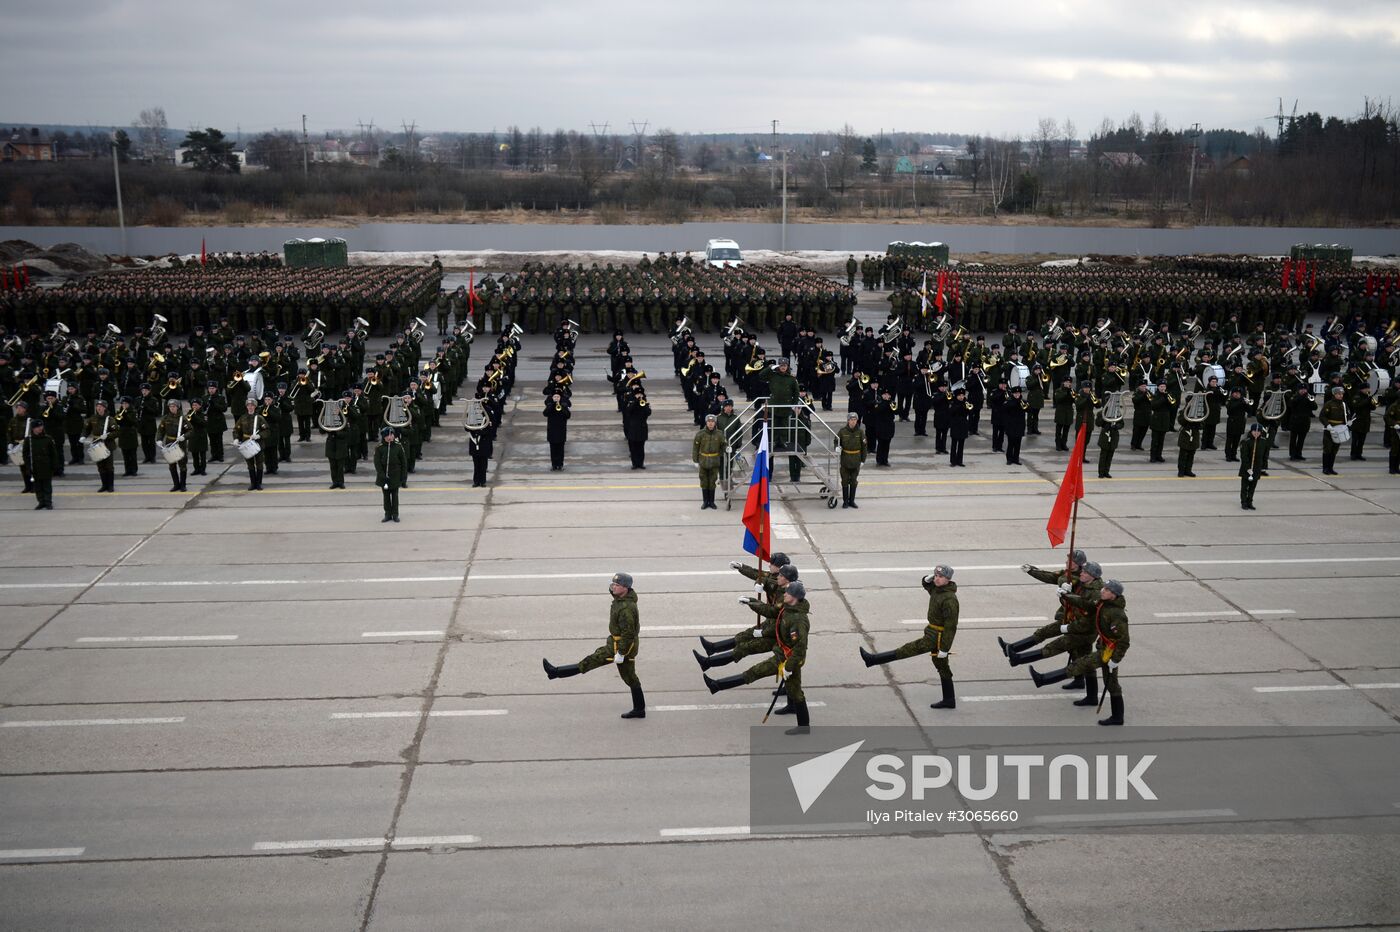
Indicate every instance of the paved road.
{"type": "Point", "coordinates": [269, 711]}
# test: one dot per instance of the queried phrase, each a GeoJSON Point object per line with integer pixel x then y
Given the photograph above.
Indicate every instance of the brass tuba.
{"type": "Point", "coordinates": [1054, 329]}
{"type": "Point", "coordinates": [360, 329]}
{"type": "Point", "coordinates": [157, 332]}
{"type": "Point", "coordinates": [416, 330]}
{"type": "Point", "coordinates": [315, 332]}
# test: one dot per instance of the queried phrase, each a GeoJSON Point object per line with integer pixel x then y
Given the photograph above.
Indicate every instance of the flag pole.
{"type": "Point", "coordinates": [1078, 453]}
{"type": "Point", "coordinates": [758, 554]}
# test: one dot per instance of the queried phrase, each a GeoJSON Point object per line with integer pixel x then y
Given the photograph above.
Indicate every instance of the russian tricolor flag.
{"type": "Point", "coordinates": [758, 533]}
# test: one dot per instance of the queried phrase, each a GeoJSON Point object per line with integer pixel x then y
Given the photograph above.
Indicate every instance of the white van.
{"type": "Point", "coordinates": [720, 252]}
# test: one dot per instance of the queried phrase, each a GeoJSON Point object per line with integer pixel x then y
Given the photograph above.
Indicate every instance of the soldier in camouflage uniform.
{"type": "Point", "coordinates": [937, 639]}
{"type": "Point", "coordinates": [624, 638]}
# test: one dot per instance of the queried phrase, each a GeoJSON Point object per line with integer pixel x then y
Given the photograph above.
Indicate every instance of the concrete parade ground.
{"type": "Point", "coordinates": [225, 709]}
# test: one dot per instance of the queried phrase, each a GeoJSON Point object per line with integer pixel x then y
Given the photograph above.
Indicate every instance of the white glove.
{"type": "Point", "coordinates": [1064, 629]}
{"type": "Point", "coordinates": [1113, 665]}
{"type": "Point", "coordinates": [758, 588]}
{"type": "Point", "coordinates": [758, 632]}
{"type": "Point", "coordinates": [1250, 476]}
{"type": "Point", "coordinates": [1065, 588]}
{"type": "Point", "coordinates": [942, 655]}
{"type": "Point", "coordinates": [744, 600]}
{"type": "Point", "coordinates": [618, 658]}
{"type": "Point", "coordinates": [927, 580]}
{"type": "Point", "coordinates": [1026, 567]}
{"type": "Point", "coordinates": [735, 564]}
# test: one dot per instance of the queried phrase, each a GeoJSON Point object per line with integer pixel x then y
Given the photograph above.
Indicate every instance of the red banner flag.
{"type": "Point", "coordinates": [1071, 490]}
{"type": "Point", "coordinates": [1287, 273]}
{"type": "Point", "coordinates": [202, 254]}
{"type": "Point", "coordinates": [471, 295]}
{"type": "Point", "coordinates": [938, 293]}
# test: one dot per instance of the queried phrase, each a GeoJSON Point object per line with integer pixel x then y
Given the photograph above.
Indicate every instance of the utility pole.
{"type": "Point", "coordinates": [305, 151]}
{"type": "Point", "coordinates": [117, 174]}
{"type": "Point", "coordinates": [784, 238]}
{"type": "Point", "coordinates": [1191, 178]}
{"type": "Point", "coordinates": [772, 181]}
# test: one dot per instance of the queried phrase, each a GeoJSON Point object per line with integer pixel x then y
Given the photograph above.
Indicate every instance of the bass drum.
{"type": "Point", "coordinates": [1218, 372]}
{"type": "Point", "coordinates": [57, 385]}
{"type": "Point", "coordinates": [1020, 377]}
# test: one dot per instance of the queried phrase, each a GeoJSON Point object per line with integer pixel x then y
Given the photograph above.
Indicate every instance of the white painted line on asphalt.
{"type": "Point", "coordinates": [719, 707]}
{"type": "Point", "coordinates": [986, 620]}
{"type": "Point", "coordinates": [704, 832]}
{"type": "Point", "coordinates": [783, 526]}
{"type": "Point", "coordinates": [403, 634]}
{"type": "Point", "coordinates": [1224, 612]}
{"type": "Point", "coordinates": [1173, 815]}
{"type": "Point", "coordinates": [78, 722]}
{"type": "Point", "coordinates": [433, 841]}
{"type": "Point", "coordinates": [405, 713]}
{"type": "Point", "coordinates": [159, 638]}
{"type": "Point", "coordinates": [1329, 687]}
{"type": "Point", "coordinates": [27, 853]}
{"type": "Point", "coordinates": [717, 626]}
{"type": "Point", "coordinates": [473, 577]}
{"type": "Point", "coordinates": [1019, 698]}
{"type": "Point", "coordinates": [318, 843]}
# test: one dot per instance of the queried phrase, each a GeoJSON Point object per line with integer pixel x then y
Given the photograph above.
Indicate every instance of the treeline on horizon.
{"type": "Point", "coordinates": [1324, 171]}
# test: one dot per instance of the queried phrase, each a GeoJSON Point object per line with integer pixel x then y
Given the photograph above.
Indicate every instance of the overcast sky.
{"type": "Point", "coordinates": [995, 66]}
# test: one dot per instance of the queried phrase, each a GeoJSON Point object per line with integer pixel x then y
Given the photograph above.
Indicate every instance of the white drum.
{"type": "Point", "coordinates": [1341, 433]}
{"type": "Point", "coordinates": [249, 449]}
{"type": "Point", "coordinates": [98, 452]}
{"type": "Point", "coordinates": [171, 453]}
{"type": "Point", "coordinates": [1379, 380]}
{"type": "Point", "coordinates": [1020, 376]}
{"type": "Point", "coordinates": [57, 385]}
{"type": "Point", "coordinates": [17, 453]}
{"type": "Point", "coordinates": [1212, 370]}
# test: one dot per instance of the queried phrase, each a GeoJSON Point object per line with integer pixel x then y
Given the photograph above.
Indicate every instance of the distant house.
{"type": "Point", "coordinates": [938, 169]}
{"type": "Point", "coordinates": [1121, 160]}
{"type": "Point", "coordinates": [904, 165]}
{"type": "Point", "coordinates": [28, 146]}
{"type": "Point", "coordinates": [1239, 165]}
{"type": "Point", "coordinates": [182, 160]}
{"type": "Point", "coordinates": [329, 150]}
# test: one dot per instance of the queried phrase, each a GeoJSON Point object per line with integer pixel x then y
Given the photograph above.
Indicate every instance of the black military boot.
{"type": "Point", "coordinates": [845, 496]}
{"type": "Point", "coordinates": [804, 721]}
{"type": "Point", "coordinates": [718, 659]}
{"type": "Point", "coordinates": [556, 673]}
{"type": "Point", "coordinates": [1030, 656]}
{"type": "Point", "coordinates": [729, 682]}
{"type": "Point", "coordinates": [949, 700]}
{"type": "Point", "coordinates": [639, 704]}
{"type": "Point", "coordinates": [1016, 647]}
{"type": "Point", "coordinates": [876, 658]}
{"type": "Point", "coordinates": [1091, 690]}
{"type": "Point", "coordinates": [1115, 704]}
{"type": "Point", "coordinates": [1076, 683]}
{"type": "Point", "coordinates": [712, 647]}
{"type": "Point", "coordinates": [1045, 679]}
{"type": "Point", "coordinates": [853, 495]}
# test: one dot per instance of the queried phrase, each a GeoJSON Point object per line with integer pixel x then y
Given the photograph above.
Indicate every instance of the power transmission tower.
{"type": "Point", "coordinates": [1191, 182]}
{"type": "Point", "coordinates": [408, 129]}
{"type": "Point", "coordinates": [641, 135]}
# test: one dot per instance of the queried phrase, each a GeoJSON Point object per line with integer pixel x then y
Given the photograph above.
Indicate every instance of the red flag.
{"type": "Point", "coordinates": [202, 253]}
{"type": "Point", "coordinates": [1071, 490]}
{"type": "Point", "coordinates": [1287, 273]}
{"type": "Point", "coordinates": [471, 295]}
{"type": "Point", "coordinates": [1370, 284]}
{"type": "Point", "coordinates": [938, 296]}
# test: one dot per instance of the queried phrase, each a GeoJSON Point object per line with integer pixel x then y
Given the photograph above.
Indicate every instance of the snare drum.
{"type": "Point", "coordinates": [249, 449]}
{"type": "Point", "coordinates": [97, 451]}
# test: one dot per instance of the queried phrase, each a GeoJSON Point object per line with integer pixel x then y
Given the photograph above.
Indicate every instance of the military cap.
{"type": "Point", "coordinates": [385, 431]}
{"type": "Point", "coordinates": [281, 384]}
{"type": "Point", "coordinates": [728, 403]}
{"type": "Point", "coordinates": [1256, 426]}
{"type": "Point", "coordinates": [943, 570]}
{"type": "Point", "coordinates": [779, 559]}
{"type": "Point", "coordinates": [1016, 390]}
{"type": "Point", "coordinates": [1114, 586]}
{"type": "Point", "coordinates": [1078, 557]}
{"type": "Point", "coordinates": [788, 572]}
{"type": "Point", "coordinates": [711, 417]}
{"type": "Point", "coordinates": [303, 371]}
{"type": "Point", "coordinates": [53, 394]}
{"type": "Point", "coordinates": [23, 404]}
{"type": "Point", "coordinates": [347, 394]}
{"type": "Point", "coordinates": [797, 590]}
{"type": "Point", "coordinates": [1092, 568]}
{"type": "Point", "coordinates": [622, 579]}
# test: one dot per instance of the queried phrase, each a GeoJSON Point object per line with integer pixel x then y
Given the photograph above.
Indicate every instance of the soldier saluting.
{"type": "Point", "coordinates": [620, 648]}
{"type": "Point", "coordinates": [790, 627]}
{"type": "Point", "coordinates": [1110, 621]}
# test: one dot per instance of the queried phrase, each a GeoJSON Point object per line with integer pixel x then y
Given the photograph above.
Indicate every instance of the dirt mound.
{"type": "Point", "coordinates": [66, 258]}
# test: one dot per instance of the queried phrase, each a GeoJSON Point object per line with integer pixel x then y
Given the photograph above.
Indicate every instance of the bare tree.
{"type": "Point", "coordinates": [848, 150]}
{"type": "Point", "coordinates": [974, 154]}
{"type": "Point", "coordinates": [1003, 160]}
{"type": "Point", "coordinates": [668, 150]}
{"type": "Point", "coordinates": [151, 126]}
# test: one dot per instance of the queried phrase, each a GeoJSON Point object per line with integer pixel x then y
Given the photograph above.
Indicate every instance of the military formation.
{"type": "Point", "coordinates": [240, 299]}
